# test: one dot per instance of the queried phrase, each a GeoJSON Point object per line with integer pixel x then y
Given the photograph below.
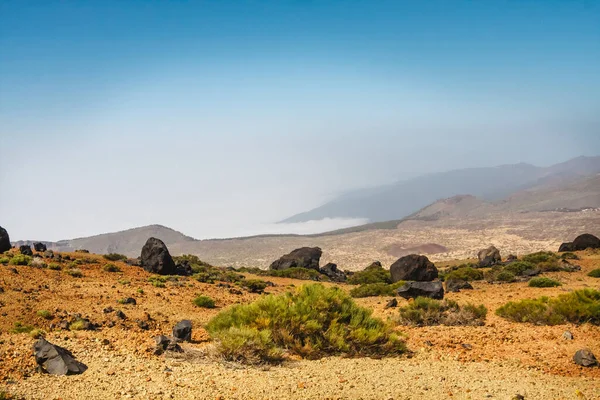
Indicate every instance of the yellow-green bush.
{"type": "Point", "coordinates": [376, 289]}
{"type": "Point", "coordinates": [424, 311]}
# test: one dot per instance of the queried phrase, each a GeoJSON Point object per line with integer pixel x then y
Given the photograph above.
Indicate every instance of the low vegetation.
{"type": "Point", "coordinates": [372, 274]}
{"type": "Point", "coordinates": [111, 268]}
{"type": "Point", "coordinates": [312, 322]}
{"type": "Point", "coordinates": [293, 273]}
{"type": "Point", "coordinates": [463, 273]}
{"type": "Point", "coordinates": [4, 260]}
{"type": "Point", "coordinates": [543, 282]}
{"type": "Point", "coordinates": [424, 311]}
{"type": "Point", "coordinates": [254, 285]}
{"type": "Point", "coordinates": [115, 257]}
{"type": "Point", "coordinates": [78, 325]}
{"type": "Point", "coordinates": [159, 281]}
{"type": "Point", "coordinates": [19, 327]}
{"type": "Point", "coordinates": [20, 259]}
{"type": "Point", "coordinates": [376, 289]}
{"type": "Point", "coordinates": [74, 272]}
{"type": "Point", "coordinates": [595, 273]}
{"type": "Point", "coordinates": [45, 314]}
{"type": "Point", "coordinates": [204, 302]}
{"type": "Point", "coordinates": [569, 256]}
{"type": "Point", "coordinates": [54, 266]}
{"type": "Point", "coordinates": [576, 307]}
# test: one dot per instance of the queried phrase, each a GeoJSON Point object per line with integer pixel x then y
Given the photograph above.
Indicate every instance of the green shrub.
{"type": "Point", "coordinates": [372, 274]}
{"type": "Point", "coordinates": [518, 267]}
{"type": "Point", "coordinates": [158, 281]}
{"type": "Point", "coordinates": [298, 273]}
{"type": "Point", "coordinates": [212, 274]}
{"type": "Point", "coordinates": [36, 333]}
{"type": "Point", "coordinates": [45, 314]}
{"type": "Point", "coordinates": [111, 268]}
{"type": "Point", "coordinates": [576, 307]}
{"type": "Point", "coordinates": [464, 273]}
{"type": "Point", "coordinates": [126, 282]}
{"type": "Point", "coordinates": [140, 291]}
{"type": "Point", "coordinates": [77, 325]}
{"type": "Point", "coordinates": [20, 259]}
{"type": "Point", "coordinates": [376, 289]}
{"type": "Point", "coordinates": [595, 273]}
{"type": "Point", "coordinates": [4, 260]}
{"type": "Point", "coordinates": [312, 322]}
{"type": "Point", "coordinates": [20, 328]}
{"type": "Point", "coordinates": [204, 302]}
{"type": "Point", "coordinates": [543, 282]}
{"type": "Point", "coordinates": [74, 272]}
{"type": "Point", "coordinates": [424, 311]}
{"type": "Point", "coordinates": [540, 256]}
{"type": "Point", "coordinates": [54, 266]}
{"type": "Point", "coordinates": [254, 285]}
{"type": "Point", "coordinates": [115, 257]}
{"type": "Point", "coordinates": [569, 256]}
{"type": "Point", "coordinates": [505, 276]}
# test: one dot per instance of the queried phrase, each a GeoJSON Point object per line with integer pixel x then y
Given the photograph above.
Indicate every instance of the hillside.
{"type": "Point", "coordinates": [398, 200]}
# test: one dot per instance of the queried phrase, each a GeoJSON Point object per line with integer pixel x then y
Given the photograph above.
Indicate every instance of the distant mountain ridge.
{"type": "Point", "coordinates": [397, 201]}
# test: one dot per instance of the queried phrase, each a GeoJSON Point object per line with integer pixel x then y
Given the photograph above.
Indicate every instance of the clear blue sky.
{"type": "Point", "coordinates": [218, 117]}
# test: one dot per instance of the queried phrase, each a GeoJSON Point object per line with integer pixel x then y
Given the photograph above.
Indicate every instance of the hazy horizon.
{"type": "Point", "coordinates": [219, 119]}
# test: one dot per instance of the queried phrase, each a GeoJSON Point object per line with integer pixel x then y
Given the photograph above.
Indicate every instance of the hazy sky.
{"type": "Point", "coordinates": [218, 118]}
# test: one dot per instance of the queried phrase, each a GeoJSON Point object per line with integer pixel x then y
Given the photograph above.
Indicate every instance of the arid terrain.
{"type": "Point", "coordinates": [499, 360]}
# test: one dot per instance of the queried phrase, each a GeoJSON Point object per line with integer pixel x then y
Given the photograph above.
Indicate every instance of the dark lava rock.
{"type": "Point", "coordinates": [585, 358]}
{"type": "Point", "coordinates": [156, 258]}
{"type": "Point", "coordinates": [184, 268]}
{"type": "Point", "coordinates": [128, 300]}
{"type": "Point", "coordinates": [107, 310]}
{"type": "Point", "coordinates": [165, 343]}
{"type": "Point", "coordinates": [411, 290]}
{"type": "Point", "coordinates": [581, 242]}
{"type": "Point", "coordinates": [4, 240]}
{"type": "Point", "coordinates": [56, 360]}
{"type": "Point", "coordinates": [26, 250]}
{"type": "Point", "coordinates": [413, 267]}
{"type": "Point", "coordinates": [39, 246]}
{"type": "Point", "coordinates": [455, 285]}
{"type": "Point", "coordinates": [567, 246]}
{"type": "Point", "coordinates": [143, 325]}
{"type": "Point", "coordinates": [392, 303]}
{"type": "Point", "coordinates": [304, 257]}
{"type": "Point", "coordinates": [511, 258]}
{"type": "Point", "coordinates": [183, 330]}
{"type": "Point", "coordinates": [120, 314]}
{"type": "Point", "coordinates": [489, 257]}
{"type": "Point", "coordinates": [135, 262]}
{"type": "Point", "coordinates": [332, 272]}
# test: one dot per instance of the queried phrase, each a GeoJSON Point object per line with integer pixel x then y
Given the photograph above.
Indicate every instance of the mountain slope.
{"type": "Point", "coordinates": [403, 198]}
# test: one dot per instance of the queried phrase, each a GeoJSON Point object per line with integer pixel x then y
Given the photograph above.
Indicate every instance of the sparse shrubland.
{"type": "Point", "coordinates": [595, 273]}
{"type": "Point", "coordinates": [576, 307]}
{"type": "Point", "coordinates": [424, 311]}
{"type": "Point", "coordinates": [204, 302]}
{"type": "Point", "coordinates": [111, 268]}
{"type": "Point", "coordinates": [569, 256]}
{"type": "Point", "coordinates": [312, 322]}
{"type": "Point", "coordinates": [158, 281]}
{"type": "Point", "coordinates": [4, 260]}
{"type": "Point", "coordinates": [20, 259]}
{"type": "Point", "coordinates": [54, 266]}
{"type": "Point", "coordinates": [543, 282]}
{"type": "Point", "coordinates": [376, 289]}
{"type": "Point", "coordinates": [19, 327]}
{"type": "Point", "coordinates": [213, 274]}
{"type": "Point", "coordinates": [254, 285]}
{"type": "Point", "coordinates": [74, 272]}
{"type": "Point", "coordinates": [45, 314]}
{"type": "Point", "coordinates": [115, 257]}
{"type": "Point", "coordinates": [464, 273]}
{"type": "Point", "coordinates": [372, 274]}
{"type": "Point", "coordinates": [294, 273]}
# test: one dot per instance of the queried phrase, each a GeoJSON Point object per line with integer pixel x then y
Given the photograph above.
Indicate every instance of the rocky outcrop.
{"type": "Point", "coordinates": [4, 240]}
{"type": "Point", "coordinates": [183, 330]}
{"type": "Point", "coordinates": [392, 303]}
{"type": "Point", "coordinates": [411, 290]}
{"type": "Point", "coordinates": [25, 250]}
{"type": "Point", "coordinates": [39, 246]}
{"type": "Point", "coordinates": [489, 257]}
{"type": "Point", "coordinates": [332, 272]}
{"type": "Point", "coordinates": [585, 358]}
{"type": "Point", "coordinates": [56, 360]}
{"type": "Point", "coordinates": [413, 268]}
{"type": "Point", "coordinates": [156, 258]}
{"type": "Point", "coordinates": [165, 343]}
{"type": "Point", "coordinates": [455, 285]}
{"type": "Point", "coordinates": [581, 242]}
{"type": "Point", "coordinates": [304, 257]}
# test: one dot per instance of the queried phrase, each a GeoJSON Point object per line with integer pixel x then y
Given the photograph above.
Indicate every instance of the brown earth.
{"type": "Point", "coordinates": [503, 359]}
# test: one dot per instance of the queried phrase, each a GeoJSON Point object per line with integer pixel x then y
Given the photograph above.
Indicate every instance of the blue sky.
{"type": "Point", "coordinates": [218, 118]}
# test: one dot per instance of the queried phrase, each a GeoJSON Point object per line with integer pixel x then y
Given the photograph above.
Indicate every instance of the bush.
{"type": "Point", "coordinates": [158, 281]}
{"type": "Point", "coordinates": [54, 266]}
{"type": "Point", "coordinates": [372, 274]}
{"type": "Point", "coordinates": [543, 282]}
{"type": "Point", "coordinates": [126, 282]}
{"type": "Point", "coordinates": [569, 256]}
{"type": "Point", "coordinates": [312, 322]}
{"type": "Point", "coordinates": [540, 256]}
{"type": "Point", "coordinates": [518, 267]}
{"type": "Point", "coordinates": [115, 257]}
{"type": "Point", "coordinates": [78, 325]}
{"type": "Point", "coordinates": [211, 274]}
{"type": "Point", "coordinates": [254, 285]}
{"type": "Point", "coordinates": [376, 289]}
{"type": "Point", "coordinates": [595, 273]}
{"type": "Point", "coordinates": [204, 302]}
{"type": "Point", "coordinates": [298, 273]}
{"type": "Point", "coordinates": [45, 314]}
{"type": "Point", "coordinates": [74, 272]}
{"type": "Point", "coordinates": [464, 273]}
{"type": "Point", "coordinates": [424, 311]}
{"type": "Point", "coordinates": [576, 307]}
{"type": "Point", "coordinates": [4, 260]}
{"type": "Point", "coordinates": [36, 333]}
{"type": "Point", "coordinates": [111, 268]}
{"type": "Point", "coordinates": [18, 327]}
{"type": "Point", "coordinates": [20, 259]}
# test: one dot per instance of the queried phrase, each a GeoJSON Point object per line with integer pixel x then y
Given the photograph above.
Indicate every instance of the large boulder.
{"type": "Point", "coordinates": [156, 258]}
{"type": "Point", "coordinates": [304, 257]}
{"type": "Point", "coordinates": [56, 360]}
{"type": "Point", "coordinates": [332, 272]}
{"type": "Point", "coordinates": [183, 330]}
{"type": "Point", "coordinates": [567, 246]}
{"type": "Point", "coordinates": [26, 250]}
{"type": "Point", "coordinates": [489, 257]}
{"type": "Point", "coordinates": [39, 246]}
{"type": "Point", "coordinates": [411, 290]}
{"type": "Point", "coordinates": [413, 267]}
{"type": "Point", "coordinates": [4, 240]}
{"type": "Point", "coordinates": [581, 242]}
{"type": "Point", "coordinates": [585, 358]}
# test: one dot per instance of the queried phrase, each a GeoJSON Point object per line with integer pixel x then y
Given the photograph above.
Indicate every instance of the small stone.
{"type": "Point", "coordinates": [585, 358]}
{"type": "Point", "coordinates": [467, 346]}
{"type": "Point", "coordinates": [392, 303]}
{"type": "Point", "coordinates": [567, 335]}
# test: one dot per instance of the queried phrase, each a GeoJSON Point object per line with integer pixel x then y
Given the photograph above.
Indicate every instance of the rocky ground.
{"type": "Point", "coordinates": [498, 360]}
